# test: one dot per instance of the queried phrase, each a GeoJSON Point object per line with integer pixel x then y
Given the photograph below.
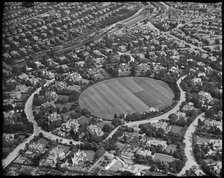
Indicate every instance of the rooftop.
{"type": "Point", "coordinates": [163, 157]}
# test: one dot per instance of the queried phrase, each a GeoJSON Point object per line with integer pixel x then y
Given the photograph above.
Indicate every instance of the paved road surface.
{"type": "Point", "coordinates": [30, 117]}
{"type": "Point", "coordinates": [175, 109]}
{"type": "Point", "coordinates": [188, 148]}
{"type": "Point", "coordinates": [29, 113]}
{"type": "Point", "coordinates": [166, 6]}
{"type": "Point", "coordinates": [191, 45]}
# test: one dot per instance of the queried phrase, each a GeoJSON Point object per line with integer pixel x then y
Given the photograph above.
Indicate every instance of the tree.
{"type": "Point", "coordinates": [107, 128]}
{"type": "Point", "coordinates": [74, 115]}
{"type": "Point", "coordinates": [116, 122]}
{"type": "Point", "coordinates": [99, 153]}
{"type": "Point", "coordinates": [177, 154]}
{"type": "Point", "coordinates": [147, 55]}
{"type": "Point", "coordinates": [210, 113]}
{"type": "Point", "coordinates": [179, 165]}
{"type": "Point", "coordinates": [189, 120]}
{"type": "Point", "coordinates": [127, 173]}
{"type": "Point", "coordinates": [41, 135]}
{"type": "Point", "coordinates": [65, 109]}
{"type": "Point", "coordinates": [153, 167]}
{"type": "Point", "coordinates": [182, 122]}
{"type": "Point", "coordinates": [153, 150]}
{"type": "Point", "coordinates": [159, 148]}
{"type": "Point", "coordinates": [8, 107]}
{"type": "Point", "coordinates": [42, 92]}
{"type": "Point", "coordinates": [85, 112]}
{"type": "Point", "coordinates": [192, 113]}
{"type": "Point", "coordinates": [200, 122]}
{"type": "Point", "coordinates": [173, 117]}
{"type": "Point", "coordinates": [76, 136]}
{"type": "Point", "coordinates": [133, 68]}
{"type": "Point", "coordinates": [160, 133]}
{"type": "Point", "coordinates": [166, 170]}
{"type": "Point", "coordinates": [36, 159]}
{"type": "Point", "coordinates": [83, 127]}
{"type": "Point", "coordinates": [143, 127]}
{"type": "Point", "coordinates": [21, 151]}
{"type": "Point", "coordinates": [207, 170]}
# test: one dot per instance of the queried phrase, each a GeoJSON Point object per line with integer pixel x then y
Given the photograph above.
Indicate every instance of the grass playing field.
{"type": "Point", "coordinates": [125, 95]}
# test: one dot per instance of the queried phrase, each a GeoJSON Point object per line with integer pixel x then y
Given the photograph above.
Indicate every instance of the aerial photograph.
{"type": "Point", "coordinates": [129, 88]}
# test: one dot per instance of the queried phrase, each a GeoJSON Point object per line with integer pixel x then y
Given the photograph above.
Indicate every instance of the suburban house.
{"type": "Point", "coordinates": [94, 130]}
{"type": "Point", "coordinates": [74, 77]}
{"type": "Point", "coordinates": [69, 125]}
{"type": "Point", "coordinates": [205, 96]}
{"type": "Point", "coordinates": [144, 152]}
{"type": "Point", "coordinates": [217, 144]}
{"type": "Point", "coordinates": [212, 122]}
{"type": "Point", "coordinates": [122, 48]}
{"type": "Point", "coordinates": [79, 156]}
{"type": "Point", "coordinates": [51, 95]}
{"type": "Point", "coordinates": [48, 74]}
{"type": "Point", "coordinates": [36, 147]}
{"type": "Point", "coordinates": [124, 70]}
{"type": "Point", "coordinates": [188, 106]}
{"type": "Point", "coordinates": [152, 141]}
{"type": "Point", "coordinates": [54, 117]}
{"type": "Point", "coordinates": [159, 124]}
{"type": "Point", "coordinates": [142, 68]}
{"type": "Point", "coordinates": [8, 137]}
{"type": "Point", "coordinates": [80, 63]}
{"type": "Point", "coordinates": [99, 61]}
{"type": "Point", "coordinates": [55, 154]}
{"type": "Point", "coordinates": [197, 81]}
{"type": "Point", "coordinates": [60, 84]}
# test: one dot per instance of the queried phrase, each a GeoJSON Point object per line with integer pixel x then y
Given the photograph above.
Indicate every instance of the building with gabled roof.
{"type": "Point", "coordinates": [78, 157]}
{"type": "Point", "coordinates": [124, 70]}
{"type": "Point", "coordinates": [94, 130]}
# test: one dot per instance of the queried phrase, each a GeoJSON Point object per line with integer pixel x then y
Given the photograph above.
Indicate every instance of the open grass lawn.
{"type": "Point", "coordinates": [101, 124]}
{"type": "Point", "coordinates": [83, 119]}
{"type": "Point", "coordinates": [171, 147]}
{"type": "Point", "coordinates": [164, 158]}
{"type": "Point", "coordinates": [202, 140]}
{"type": "Point", "coordinates": [116, 166]}
{"type": "Point", "coordinates": [42, 141]}
{"type": "Point", "coordinates": [90, 154]}
{"type": "Point", "coordinates": [125, 95]}
{"type": "Point", "coordinates": [20, 160]}
{"type": "Point", "coordinates": [65, 148]}
{"type": "Point", "coordinates": [63, 97]}
{"type": "Point", "coordinates": [175, 129]}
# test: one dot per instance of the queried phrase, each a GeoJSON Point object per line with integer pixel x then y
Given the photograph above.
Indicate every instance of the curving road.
{"type": "Point", "coordinates": [188, 147]}
{"type": "Point", "coordinates": [28, 110]}
{"type": "Point", "coordinates": [29, 113]}
{"type": "Point", "coordinates": [30, 117]}
{"type": "Point", "coordinates": [188, 135]}
{"type": "Point", "coordinates": [165, 115]}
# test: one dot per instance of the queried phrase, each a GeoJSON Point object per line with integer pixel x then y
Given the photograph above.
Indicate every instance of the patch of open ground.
{"type": "Point", "coordinates": [125, 95]}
